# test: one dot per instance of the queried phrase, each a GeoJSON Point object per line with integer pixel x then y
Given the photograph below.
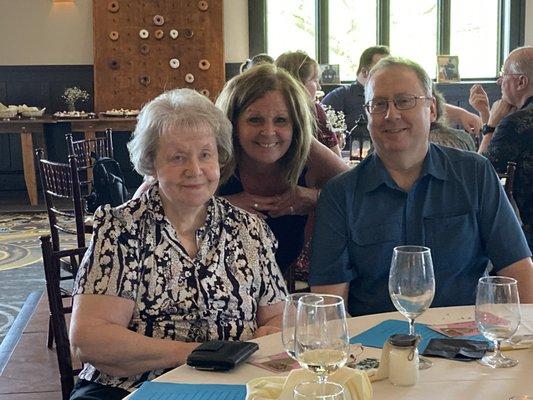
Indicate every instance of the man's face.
{"type": "Point", "coordinates": [399, 132]}
{"type": "Point", "coordinates": [363, 76]}
{"type": "Point", "coordinates": [508, 83]}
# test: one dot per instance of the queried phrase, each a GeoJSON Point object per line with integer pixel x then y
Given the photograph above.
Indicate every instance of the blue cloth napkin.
{"type": "Point", "coordinates": [183, 391]}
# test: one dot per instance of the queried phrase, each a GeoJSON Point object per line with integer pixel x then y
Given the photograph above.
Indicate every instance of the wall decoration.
{"type": "Point", "coordinates": [447, 68]}
{"type": "Point", "coordinates": [159, 45]}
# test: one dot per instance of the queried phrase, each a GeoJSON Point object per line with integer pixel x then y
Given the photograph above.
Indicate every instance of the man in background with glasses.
{"type": "Point", "coordinates": [508, 129]}
{"type": "Point", "coordinates": [411, 192]}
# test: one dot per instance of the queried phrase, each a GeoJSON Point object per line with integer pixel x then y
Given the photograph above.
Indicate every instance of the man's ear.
{"type": "Point", "coordinates": [433, 109]}
{"type": "Point", "coordinates": [523, 82]}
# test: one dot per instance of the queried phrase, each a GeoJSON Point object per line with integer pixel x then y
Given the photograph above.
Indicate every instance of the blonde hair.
{"type": "Point", "coordinates": [298, 64]}
{"type": "Point", "coordinates": [241, 91]}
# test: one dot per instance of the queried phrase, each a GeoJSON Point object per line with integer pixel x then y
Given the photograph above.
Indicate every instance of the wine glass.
{"type": "Point", "coordinates": [412, 285]}
{"type": "Point", "coordinates": [322, 342]}
{"type": "Point", "coordinates": [318, 391]}
{"type": "Point", "coordinates": [497, 315]}
{"type": "Point", "coordinates": [289, 322]}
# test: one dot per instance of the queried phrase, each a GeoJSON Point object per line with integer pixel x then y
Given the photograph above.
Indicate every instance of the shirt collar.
{"type": "Point", "coordinates": [528, 102]}
{"type": "Point", "coordinates": [376, 173]}
{"type": "Point", "coordinates": [154, 206]}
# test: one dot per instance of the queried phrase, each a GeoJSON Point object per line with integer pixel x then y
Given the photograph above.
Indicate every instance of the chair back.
{"type": "Point", "coordinates": [84, 150]}
{"type": "Point", "coordinates": [58, 310]}
{"type": "Point", "coordinates": [62, 197]}
{"type": "Point", "coordinates": [509, 180]}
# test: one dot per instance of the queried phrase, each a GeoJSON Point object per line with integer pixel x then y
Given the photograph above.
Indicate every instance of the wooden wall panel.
{"type": "Point", "coordinates": [120, 65]}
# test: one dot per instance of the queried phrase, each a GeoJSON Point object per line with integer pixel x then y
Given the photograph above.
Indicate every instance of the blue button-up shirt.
{"type": "Point", "coordinates": [456, 207]}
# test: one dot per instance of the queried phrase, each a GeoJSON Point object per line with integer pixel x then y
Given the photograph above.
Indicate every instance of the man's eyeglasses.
{"type": "Point", "coordinates": [403, 102]}
{"type": "Point", "coordinates": [503, 73]}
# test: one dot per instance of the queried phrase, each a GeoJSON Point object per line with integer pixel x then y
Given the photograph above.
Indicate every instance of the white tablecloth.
{"type": "Point", "coordinates": [445, 380]}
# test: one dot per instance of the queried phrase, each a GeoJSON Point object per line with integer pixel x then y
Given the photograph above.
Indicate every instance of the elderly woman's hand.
{"type": "Point", "coordinates": [295, 201]}
{"type": "Point", "coordinates": [266, 330]}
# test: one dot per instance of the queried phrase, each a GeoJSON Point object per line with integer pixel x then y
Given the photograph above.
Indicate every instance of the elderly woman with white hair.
{"type": "Point", "coordinates": [176, 266]}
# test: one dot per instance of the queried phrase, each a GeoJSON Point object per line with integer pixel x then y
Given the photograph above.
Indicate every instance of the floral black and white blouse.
{"type": "Point", "coordinates": [136, 254]}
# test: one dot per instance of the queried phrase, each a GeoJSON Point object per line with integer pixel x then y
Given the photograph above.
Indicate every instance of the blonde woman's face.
{"type": "Point", "coordinates": [264, 129]}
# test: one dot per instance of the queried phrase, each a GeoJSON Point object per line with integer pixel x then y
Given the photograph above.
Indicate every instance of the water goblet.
{"type": "Point", "coordinates": [322, 342]}
{"type": "Point", "coordinates": [289, 322]}
{"type": "Point", "coordinates": [412, 285]}
{"type": "Point", "coordinates": [497, 315]}
{"type": "Point", "coordinates": [318, 391]}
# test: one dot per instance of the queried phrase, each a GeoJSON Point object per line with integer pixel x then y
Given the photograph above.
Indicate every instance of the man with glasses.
{"type": "Point", "coordinates": [412, 192]}
{"type": "Point", "coordinates": [508, 129]}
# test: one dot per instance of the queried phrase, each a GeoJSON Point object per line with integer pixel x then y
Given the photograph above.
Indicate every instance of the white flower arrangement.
{"type": "Point", "coordinates": [335, 120]}
{"type": "Point", "coordinates": [74, 94]}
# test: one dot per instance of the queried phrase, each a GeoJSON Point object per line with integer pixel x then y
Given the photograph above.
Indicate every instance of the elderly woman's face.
{"type": "Point", "coordinates": [186, 166]}
{"type": "Point", "coordinates": [264, 128]}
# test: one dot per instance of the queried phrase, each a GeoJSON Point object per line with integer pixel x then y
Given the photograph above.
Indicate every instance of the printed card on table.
{"type": "Point", "coordinates": [456, 329]}
{"type": "Point", "coordinates": [276, 363]}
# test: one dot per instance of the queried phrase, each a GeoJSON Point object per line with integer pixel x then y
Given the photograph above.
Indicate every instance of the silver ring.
{"type": "Point", "coordinates": [255, 205]}
{"type": "Point", "coordinates": [292, 210]}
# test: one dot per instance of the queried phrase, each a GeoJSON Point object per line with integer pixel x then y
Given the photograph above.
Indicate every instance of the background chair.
{"type": "Point", "coordinates": [61, 188]}
{"type": "Point", "coordinates": [509, 180]}
{"type": "Point", "coordinates": [84, 150]}
{"type": "Point", "coordinates": [58, 310]}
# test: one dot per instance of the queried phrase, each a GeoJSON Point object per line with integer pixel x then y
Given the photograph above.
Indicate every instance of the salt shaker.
{"type": "Point", "coordinates": [403, 360]}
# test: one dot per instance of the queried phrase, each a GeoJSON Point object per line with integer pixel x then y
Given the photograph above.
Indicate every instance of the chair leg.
{"type": "Point", "coordinates": [50, 342]}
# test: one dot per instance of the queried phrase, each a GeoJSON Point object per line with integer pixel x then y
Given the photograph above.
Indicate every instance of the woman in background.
{"type": "Point", "coordinates": [307, 71]}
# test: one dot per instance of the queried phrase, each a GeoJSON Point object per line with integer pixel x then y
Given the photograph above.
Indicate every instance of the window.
{"type": "Point", "coordinates": [291, 26]}
{"type": "Point", "coordinates": [352, 28]}
{"type": "Point", "coordinates": [337, 31]}
{"type": "Point", "coordinates": [416, 40]}
{"type": "Point", "coordinates": [474, 39]}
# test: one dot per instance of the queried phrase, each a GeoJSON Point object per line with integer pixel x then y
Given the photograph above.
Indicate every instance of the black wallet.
{"type": "Point", "coordinates": [220, 355]}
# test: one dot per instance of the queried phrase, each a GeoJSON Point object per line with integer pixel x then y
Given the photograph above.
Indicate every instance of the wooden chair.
{"type": "Point", "coordinates": [509, 180]}
{"type": "Point", "coordinates": [62, 197]}
{"type": "Point", "coordinates": [84, 150]}
{"type": "Point", "coordinates": [58, 310]}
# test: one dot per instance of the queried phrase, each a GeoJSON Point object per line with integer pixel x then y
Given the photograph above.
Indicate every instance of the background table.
{"type": "Point", "coordinates": [445, 380]}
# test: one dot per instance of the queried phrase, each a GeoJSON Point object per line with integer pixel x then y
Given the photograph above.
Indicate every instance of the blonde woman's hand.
{"type": "Point", "coordinates": [247, 202]}
{"type": "Point", "coordinates": [295, 201]}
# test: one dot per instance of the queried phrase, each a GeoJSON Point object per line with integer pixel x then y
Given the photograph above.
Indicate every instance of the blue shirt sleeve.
{"type": "Point", "coordinates": [329, 256]}
{"type": "Point", "coordinates": [335, 99]}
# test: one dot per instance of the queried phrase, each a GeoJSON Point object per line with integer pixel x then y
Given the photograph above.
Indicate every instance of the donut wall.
{"type": "Point", "coordinates": [144, 47]}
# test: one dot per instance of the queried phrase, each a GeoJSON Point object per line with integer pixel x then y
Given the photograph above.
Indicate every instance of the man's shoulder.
{"type": "Point", "coordinates": [342, 91]}
{"type": "Point", "coordinates": [457, 158]}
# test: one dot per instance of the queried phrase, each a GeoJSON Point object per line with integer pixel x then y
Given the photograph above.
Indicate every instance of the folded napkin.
{"type": "Point", "coordinates": [356, 384]}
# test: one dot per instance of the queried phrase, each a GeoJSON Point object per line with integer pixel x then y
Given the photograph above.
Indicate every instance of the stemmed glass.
{"type": "Point", "coordinates": [289, 322]}
{"type": "Point", "coordinates": [497, 315]}
{"type": "Point", "coordinates": [322, 342]}
{"type": "Point", "coordinates": [412, 284]}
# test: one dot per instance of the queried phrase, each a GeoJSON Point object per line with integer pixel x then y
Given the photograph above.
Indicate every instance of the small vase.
{"type": "Point", "coordinates": [71, 106]}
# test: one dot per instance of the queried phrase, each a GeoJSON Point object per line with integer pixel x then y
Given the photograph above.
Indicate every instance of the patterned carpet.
{"type": "Point", "coordinates": [21, 270]}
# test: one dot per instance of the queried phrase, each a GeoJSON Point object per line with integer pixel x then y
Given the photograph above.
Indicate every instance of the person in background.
{"type": "Point", "coordinates": [350, 99]}
{"type": "Point", "coordinates": [412, 192]}
{"type": "Point", "coordinates": [443, 134]}
{"type": "Point", "coordinates": [307, 71]}
{"type": "Point", "coordinates": [508, 129]}
{"type": "Point", "coordinates": [260, 58]}
{"type": "Point", "coordinates": [176, 266]}
{"type": "Point", "coordinates": [279, 168]}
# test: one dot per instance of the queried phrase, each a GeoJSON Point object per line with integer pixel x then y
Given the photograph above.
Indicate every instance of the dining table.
{"type": "Point", "coordinates": [446, 379]}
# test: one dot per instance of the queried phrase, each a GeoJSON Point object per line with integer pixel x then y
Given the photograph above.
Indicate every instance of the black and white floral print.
{"type": "Point", "coordinates": [136, 254]}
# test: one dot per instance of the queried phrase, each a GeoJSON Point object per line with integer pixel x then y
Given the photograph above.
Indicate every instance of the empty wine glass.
{"type": "Point", "coordinates": [322, 342]}
{"type": "Point", "coordinates": [412, 284]}
{"type": "Point", "coordinates": [289, 322]}
{"type": "Point", "coordinates": [497, 315]}
{"type": "Point", "coordinates": [318, 391]}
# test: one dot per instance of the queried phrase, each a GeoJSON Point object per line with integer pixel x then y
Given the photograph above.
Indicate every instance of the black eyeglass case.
{"type": "Point", "coordinates": [220, 355]}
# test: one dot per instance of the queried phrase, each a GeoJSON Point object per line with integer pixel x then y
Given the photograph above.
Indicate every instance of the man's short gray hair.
{"type": "Point", "coordinates": [178, 109]}
{"type": "Point", "coordinates": [521, 61]}
{"type": "Point", "coordinates": [391, 61]}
